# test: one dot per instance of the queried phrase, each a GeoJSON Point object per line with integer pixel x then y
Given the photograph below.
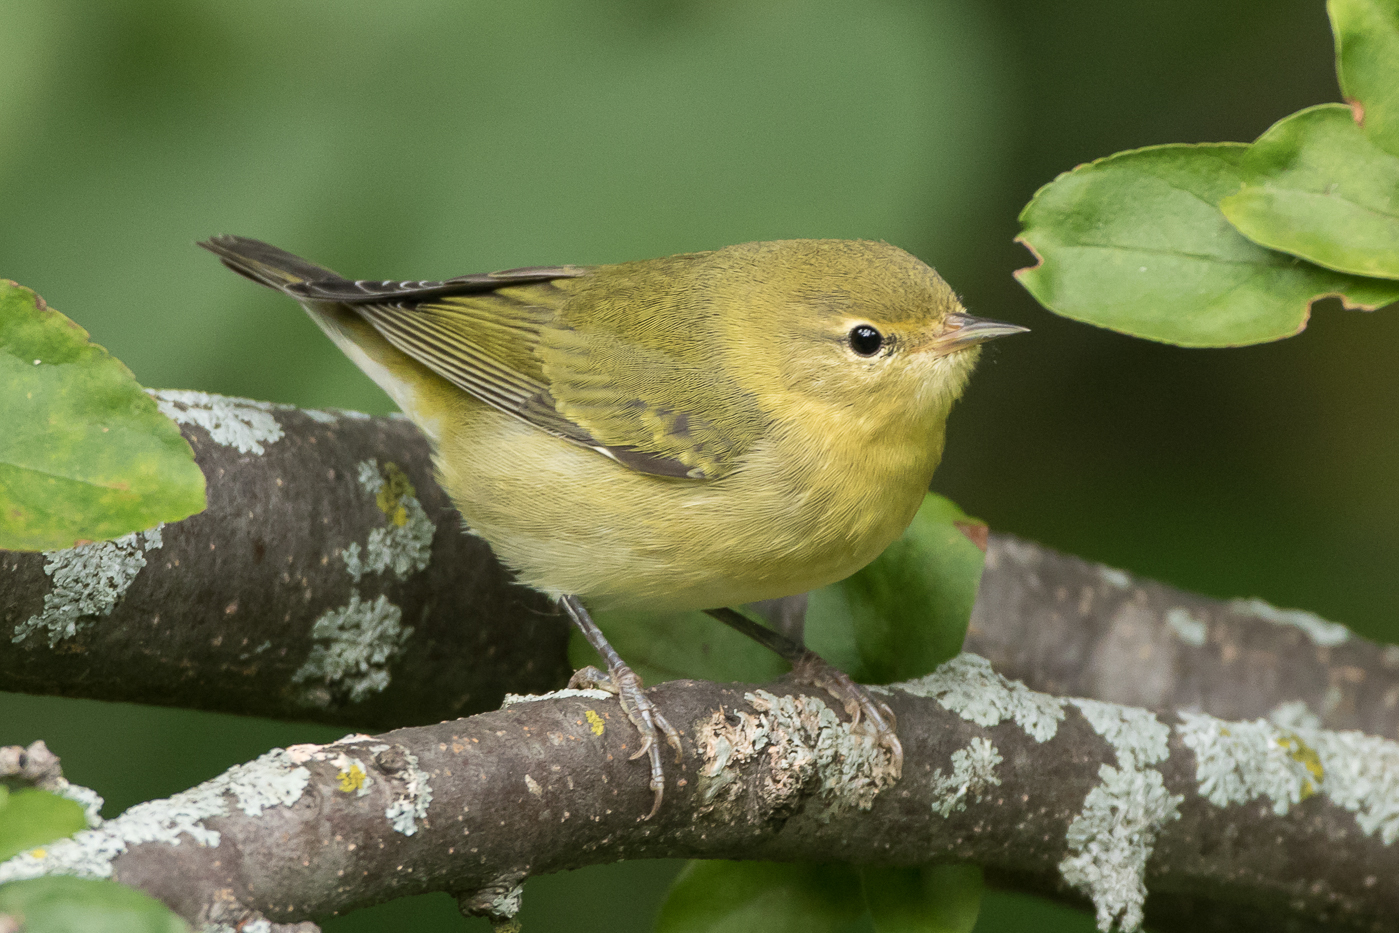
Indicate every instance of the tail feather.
{"type": "Point", "coordinates": [265, 264]}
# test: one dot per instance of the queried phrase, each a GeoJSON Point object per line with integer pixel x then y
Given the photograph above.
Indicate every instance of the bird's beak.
{"type": "Point", "coordinates": [964, 330]}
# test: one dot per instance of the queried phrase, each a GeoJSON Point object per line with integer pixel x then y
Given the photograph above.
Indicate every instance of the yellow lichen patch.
{"type": "Point", "coordinates": [391, 494]}
{"type": "Point", "coordinates": [1306, 756]}
{"type": "Point", "coordinates": [594, 722]}
{"type": "Point", "coordinates": [351, 779]}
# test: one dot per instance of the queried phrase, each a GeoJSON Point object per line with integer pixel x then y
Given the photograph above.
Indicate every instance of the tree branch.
{"type": "Point", "coordinates": [252, 606]}
{"type": "Point", "coordinates": [1074, 628]}
{"type": "Point", "coordinates": [1244, 826]}
{"type": "Point", "coordinates": [328, 580]}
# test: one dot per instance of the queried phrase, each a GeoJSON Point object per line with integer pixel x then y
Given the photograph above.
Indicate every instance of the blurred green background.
{"type": "Point", "coordinates": [427, 139]}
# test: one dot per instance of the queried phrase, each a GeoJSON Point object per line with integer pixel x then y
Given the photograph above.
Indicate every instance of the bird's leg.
{"type": "Point", "coordinates": [622, 680]}
{"type": "Point", "coordinates": [787, 614]}
{"type": "Point", "coordinates": [808, 667]}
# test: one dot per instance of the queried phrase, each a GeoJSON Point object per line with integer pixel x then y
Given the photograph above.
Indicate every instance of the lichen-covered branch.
{"type": "Point", "coordinates": [1074, 628]}
{"type": "Point", "coordinates": [1249, 825]}
{"type": "Point", "coordinates": [329, 579]}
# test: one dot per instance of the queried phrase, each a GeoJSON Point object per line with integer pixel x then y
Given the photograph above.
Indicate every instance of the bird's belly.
{"type": "Point", "coordinates": [569, 520]}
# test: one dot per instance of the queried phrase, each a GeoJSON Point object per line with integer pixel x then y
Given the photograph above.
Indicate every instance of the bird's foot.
{"type": "Point", "coordinates": [622, 680]}
{"type": "Point", "coordinates": [644, 715]}
{"type": "Point", "coordinates": [865, 711]}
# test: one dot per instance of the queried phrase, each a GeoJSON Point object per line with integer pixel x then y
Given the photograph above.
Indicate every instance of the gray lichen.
{"type": "Point", "coordinates": [272, 780]}
{"type": "Point", "coordinates": [1361, 775]}
{"type": "Point", "coordinates": [256, 925]}
{"type": "Point", "coordinates": [1188, 629]}
{"type": "Point", "coordinates": [1237, 762]}
{"type": "Point", "coordinates": [88, 582]}
{"type": "Point", "coordinates": [1112, 838]}
{"type": "Point", "coordinates": [404, 545]}
{"type": "Point", "coordinates": [810, 752]}
{"type": "Point", "coordinates": [411, 805]}
{"type": "Point", "coordinates": [967, 686]}
{"type": "Point", "coordinates": [973, 774]}
{"type": "Point", "coordinates": [1294, 714]}
{"type": "Point", "coordinates": [332, 415]}
{"type": "Point", "coordinates": [498, 901]}
{"type": "Point", "coordinates": [1118, 579]}
{"type": "Point", "coordinates": [1136, 735]}
{"type": "Point", "coordinates": [507, 904]}
{"type": "Point", "coordinates": [1320, 631]}
{"type": "Point", "coordinates": [357, 641]}
{"type": "Point", "coordinates": [515, 699]}
{"type": "Point", "coordinates": [241, 423]}
{"type": "Point", "coordinates": [355, 644]}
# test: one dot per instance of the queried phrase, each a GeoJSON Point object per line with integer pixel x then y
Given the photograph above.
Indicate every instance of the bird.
{"type": "Point", "coordinates": [692, 432]}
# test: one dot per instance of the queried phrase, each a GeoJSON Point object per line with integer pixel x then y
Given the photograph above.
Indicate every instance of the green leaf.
{"type": "Point", "coordinates": [1367, 62]}
{"type": "Point", "coordinates": [1136, 243]}
{"type": "Point", "coordinates": [741, 897]}
{"type": "Point", "coordinates": [62, 904]}
{"type": "Point", "coordinates": [671, 645]}
{"type": "Point", "coordinates": [923, 899]}
{"type": "Point", "coordinates": [30, 817]}
{"type": "Point", "coordinates": [908, 610]}
{"type": "Point", "coordinates": [84, 453]}
{"type": "Point", "coordinates": [1317, 187]}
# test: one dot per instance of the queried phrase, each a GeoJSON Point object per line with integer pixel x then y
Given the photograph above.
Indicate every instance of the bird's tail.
{"type": "Point", "coordinates": [264, 264]}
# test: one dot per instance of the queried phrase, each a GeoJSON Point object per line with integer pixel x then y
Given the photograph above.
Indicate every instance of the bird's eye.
{"type": "Point", "coordinates": [865, 340]}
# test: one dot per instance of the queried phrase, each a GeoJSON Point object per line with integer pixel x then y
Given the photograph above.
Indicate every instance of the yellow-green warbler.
{"type": "Point", "coordinates": [693, 432]}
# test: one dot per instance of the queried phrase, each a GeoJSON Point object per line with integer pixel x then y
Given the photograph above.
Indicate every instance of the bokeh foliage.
{"type": "Point", "coordinates": [434, 138]}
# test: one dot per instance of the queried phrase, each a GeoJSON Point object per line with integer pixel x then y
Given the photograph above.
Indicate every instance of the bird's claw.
{"type": "Point", "coordinates": [868, 714]}
{"type": "Point", "coordinates": [626, 685]}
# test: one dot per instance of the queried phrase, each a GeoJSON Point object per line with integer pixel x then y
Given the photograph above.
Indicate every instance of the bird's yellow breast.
{"type": "Point", "coordinates": [805, 508]}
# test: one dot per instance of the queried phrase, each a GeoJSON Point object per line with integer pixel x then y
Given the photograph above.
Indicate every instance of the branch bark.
{"type": "Point", "coordinates": [1074, 628]}
{"type": "Point", "coordinates": [328, 580]}
{"type": "Point", "coordinates": [1239, 826]}
{"type": "Point", "coordinates": [224, 613]}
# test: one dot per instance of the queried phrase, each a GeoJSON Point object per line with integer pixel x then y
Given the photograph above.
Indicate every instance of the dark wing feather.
{"type": "Point", "coordinates": [490, 335]}
{"type": "Point", "coordinates": [365, 291]}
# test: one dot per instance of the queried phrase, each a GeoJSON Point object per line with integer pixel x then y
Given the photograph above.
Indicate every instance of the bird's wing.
{"type": "Point", "coordinates": [637, 359]}
{"type": "Point", "coordinates": [507, 339]}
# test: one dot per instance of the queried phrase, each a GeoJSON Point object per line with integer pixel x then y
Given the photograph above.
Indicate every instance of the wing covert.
{"type": "Point", "coordinates": [625, 366]}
